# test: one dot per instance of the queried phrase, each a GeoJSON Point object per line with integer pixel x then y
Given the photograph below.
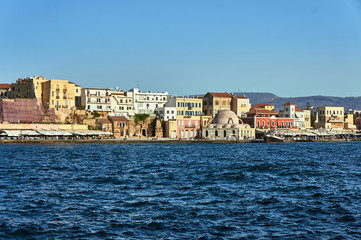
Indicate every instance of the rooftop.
{"type": "Point", "coordinates": [226, 95]}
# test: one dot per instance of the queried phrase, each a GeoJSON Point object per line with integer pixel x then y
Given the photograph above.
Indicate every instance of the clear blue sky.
{"type": "Point", "coordinates": [290, 48]}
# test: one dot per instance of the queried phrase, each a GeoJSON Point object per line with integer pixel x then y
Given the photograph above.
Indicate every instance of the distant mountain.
{"type": "Point", "coordinates": [315, 101]}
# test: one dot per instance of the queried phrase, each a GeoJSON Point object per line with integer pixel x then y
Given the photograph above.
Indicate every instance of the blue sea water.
{"type": "Point", "coordinates": [181, 191]}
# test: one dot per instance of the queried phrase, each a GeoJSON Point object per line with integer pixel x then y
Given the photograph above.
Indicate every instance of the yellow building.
{"type": "Point", "coordinates": [240, 105]}
{"type": "Point", "coordinates": [307, 116]}
{"type": "Point", "coordinates": [58, 94]}
{"type": "Point", "coordinates": [215, 102]}
{"type": "Point", "coordinates": [186, 107]}
{"type": "Point", "coordinates": [170, 128]}
{"type": "Point", "coordinates": [51, 93]}
{"type": "Point", "coordinates": [330, 118]}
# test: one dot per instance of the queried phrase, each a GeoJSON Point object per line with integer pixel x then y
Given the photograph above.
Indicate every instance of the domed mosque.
{"type": "Point", "coordinates": [226, 126]}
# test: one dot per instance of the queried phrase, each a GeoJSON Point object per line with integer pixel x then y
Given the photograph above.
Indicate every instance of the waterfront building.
{"type": "Point", "coordinates": [52, 93]}
{"type": "Point", "coordinates": [148, 102]}
{"type": "Point", "coordinates": [120, 126]}
{"type": "Point", "coordinates": [170, 128]}
{"type": "Point", "coordinates": [5, 90]}
{"type": "Point", "coordinates": [189, 127]}
{"type": "Point", "coordinates": [104, 124]}
{"type": "Point", "coordinates": [290, 110]}
{"type": "Point", "coordinates": [122, 103]}
{"type": "Point", "coordinates": [215, 102]}
{"type": "Point", "coordinates": [330, 118]}
{"type": "Point", "coordinates": [240, 105]}
{"type": "Point", "coordinates": [167, 113]}
{"type": "Point", "coordinates": [307, 116]}
{"type": "Point", "coordinates": [186, 106]}
{"type": "Point", "coordinates": [226, 126]}
{"type": "Point", "coordinates": [349, 122]}
{"type": "Point", "coordinates": [96, 99]}
{"type": "Point", "coordinates": [264, 106]}
{"type": "Point", "coordinates": [266, 119]}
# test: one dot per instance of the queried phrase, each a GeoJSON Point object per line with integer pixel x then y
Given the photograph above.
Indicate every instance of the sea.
{"type": "Point", "coordinates": [181, 191]}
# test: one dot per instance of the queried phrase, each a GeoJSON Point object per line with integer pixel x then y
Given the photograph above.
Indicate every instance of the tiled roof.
{"type": "Point", "coordinates": [297, 109]}
{"type": "Point", "coordinates": [5, 85]}
{"type": "Point", "coordinates": [288, 103]}
{"type": "Point", "coordinates": [118, 118]}
{"type": "Point", "coordinates": [261, 111]}
{"type": "Point", "coordinates": [226, 95]}
{"type": "Point", "coordinates": [261, 106]}
{"type": "Point", "coordinates": [242, 97]}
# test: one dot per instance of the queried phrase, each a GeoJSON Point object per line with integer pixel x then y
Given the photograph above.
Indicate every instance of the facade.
{"type": "Point", "coordinates": [266, 119]}
{"type": "Point", "coordinates": [148, 102]}
{"type": "Point", "coordinates": [189, 127]}
{"type": "Point", "coordinates": [240, 105]}
{"type": "Point", "coordinates": [226, 126]}
{"type": "Point", "coordinates": [104, 124]}
{"type": "Point", "coordinates": [122, 104]}
{"type": "Point", "coordinates": [186, 107]}
{"type": "Point", "coordinates": [290, 110]}
{"type": "Point", "coordinates": [96, 99]}
{"type": "Point", "coordinates": [215, 102]}
{"type": "Point", "coordinates": [120, 126]}
{"type": "Point", "coordinates": [170, 128]}
{"type": "Point", "coordinates": [167, 113]}
{"type": "Point", "coordinates": [307, 116]}
{"type": "Point", "coordinates": [330, 118]}
{"type": "Point", "coordinates": [5, 90]}
{"type": "Point", "coordinates": [58, 94]}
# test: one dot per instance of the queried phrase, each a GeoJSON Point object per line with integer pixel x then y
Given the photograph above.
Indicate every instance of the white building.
{"type": "Point", "coordinates": [291, 111]}
{"type": "Point", "coordinates": [96, 99]}
{"type": "Point", "coordinates": [148, 102]}
{"type": "Point", "coordinates": [167, 113]}
{"type": "Point", "coordinates": [122, 103]}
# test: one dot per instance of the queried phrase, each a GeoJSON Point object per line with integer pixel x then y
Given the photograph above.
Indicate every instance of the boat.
{"type": "Point", "coordinates": [271, 138]}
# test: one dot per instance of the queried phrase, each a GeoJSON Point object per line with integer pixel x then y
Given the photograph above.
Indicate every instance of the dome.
{"type": "Point", "coordinates": [237, 125]}
{"type": "Point", "coordinates": [218, 126]}
{"type": "Point", "coordinates": [227, 125]}
{"type": "Point", "coordinates": [225, 117]}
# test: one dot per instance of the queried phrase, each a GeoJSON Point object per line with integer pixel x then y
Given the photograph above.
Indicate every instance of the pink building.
{"type": "Point", "coordinates": [188, 128]}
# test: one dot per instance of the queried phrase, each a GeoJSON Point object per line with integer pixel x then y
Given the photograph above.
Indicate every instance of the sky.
{"type": "Point", "coordinates": [289, 48]}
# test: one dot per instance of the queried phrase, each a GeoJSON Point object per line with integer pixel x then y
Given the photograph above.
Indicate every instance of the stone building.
{"type": "Point", "coordinates": [227, 126]}
{"type": "Point", "coordinates": [215, 102]}
{"type": "Point", "coordinates": [120, 126]}
{"type": "Point", "coordinates": [330, 118]}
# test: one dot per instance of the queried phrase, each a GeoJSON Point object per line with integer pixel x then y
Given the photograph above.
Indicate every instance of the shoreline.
{"type": "Point", "coordinates": [149, 141]}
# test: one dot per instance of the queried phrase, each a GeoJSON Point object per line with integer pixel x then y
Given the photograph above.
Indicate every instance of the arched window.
{"type": "Point", "coordinates": [216, 133]}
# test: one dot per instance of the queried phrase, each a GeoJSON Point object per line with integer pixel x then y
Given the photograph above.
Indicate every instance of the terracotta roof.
{"type": "Point", "coordinates": [261, 111]}
{"type": "Point", "coordinates": [5, 85]}
{"type": "Point", "coordinates": [297, 109]}
{"type": "Point", "coordinates": [261, 106]}
{"type": "Point", "coordinates": [118, 118]}
{"type": "Point", "coordinates": [243, 97]}
{"type": "Point", "coordinates": [226, 95]}
{"type": "Point", "coordinates": [288, 103]}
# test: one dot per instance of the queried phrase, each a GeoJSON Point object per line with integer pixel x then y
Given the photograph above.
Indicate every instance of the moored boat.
{"type": "Point", "coordinates": [270, 138]}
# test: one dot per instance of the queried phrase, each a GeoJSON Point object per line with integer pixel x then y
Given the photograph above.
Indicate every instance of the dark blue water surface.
{"type": "Point", "coordinates": [181, 191]}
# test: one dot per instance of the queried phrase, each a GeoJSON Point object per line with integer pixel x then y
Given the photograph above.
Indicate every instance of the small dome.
{"type": "Point", "coordinates": [237, 125]}
{"type": "Point", "coordinates": [227, 125]}
{"type": "Point", "coordinates": [225, 117]}
{"type": "Point", "coordinates": [218, 126]}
